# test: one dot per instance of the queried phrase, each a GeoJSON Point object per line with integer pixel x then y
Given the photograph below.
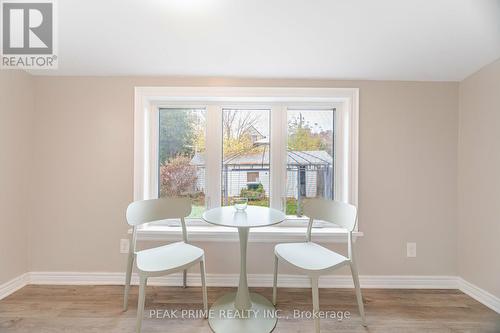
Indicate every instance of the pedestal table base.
{"type": "Point", "coordinates": [260, 318]}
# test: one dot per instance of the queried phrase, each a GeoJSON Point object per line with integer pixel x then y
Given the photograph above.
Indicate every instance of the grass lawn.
{"type": "Point", "coordinates": [262, 202]}
{"type": "Point", "coordinates": [291, 206]}
{"type": "Point", "coordinates": [196, 212]}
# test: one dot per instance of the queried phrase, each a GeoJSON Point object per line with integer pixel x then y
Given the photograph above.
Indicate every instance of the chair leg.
{"type": "Point", "coordinates": [128, 276]}
{"type": "Point", "coordinates": [204, 288]}
{"type": "Point", "coordinates": [184, 278]}
{"type": "Point", "coordinates": [315, 296]}
{"type": "Point", "coordinates": [140, 305]}
{"type": "Point", "coordinates": [359, 297]}
{"type": "Point", "coordinates": [275, 279]}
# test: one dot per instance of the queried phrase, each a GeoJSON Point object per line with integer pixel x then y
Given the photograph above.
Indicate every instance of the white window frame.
{"type": "Point", "coordinates": [148, 100]}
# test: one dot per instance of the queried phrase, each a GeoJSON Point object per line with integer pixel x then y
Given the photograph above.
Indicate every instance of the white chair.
{"type": "Point", "coordinates": [165, 259]}
{"type": "Point", "coordinates": [315, 260]}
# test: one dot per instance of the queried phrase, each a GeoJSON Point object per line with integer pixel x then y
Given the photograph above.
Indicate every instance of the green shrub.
{"type": "Point", "coordinates": [255, 193]}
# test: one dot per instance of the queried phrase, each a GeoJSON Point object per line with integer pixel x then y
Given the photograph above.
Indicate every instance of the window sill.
{"type": "Point", "coordinates": [257, 235]}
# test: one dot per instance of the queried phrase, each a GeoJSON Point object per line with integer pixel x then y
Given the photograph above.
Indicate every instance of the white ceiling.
{"type": "Point", "coordinates": [437, 40]}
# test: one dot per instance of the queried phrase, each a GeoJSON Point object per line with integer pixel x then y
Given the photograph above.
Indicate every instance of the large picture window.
{"type": "Point", "coordinates": [277, 147]}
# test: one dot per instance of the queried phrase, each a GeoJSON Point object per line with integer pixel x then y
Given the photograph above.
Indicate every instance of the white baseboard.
{"type": "Point", "coordinates": [13, 285]}
{"type": "Point", "coordinates": [257, 280]}
{"type": "Point", "coordinates": [254, 280]}
{"type": "Point", "coordinates": [480, 295]}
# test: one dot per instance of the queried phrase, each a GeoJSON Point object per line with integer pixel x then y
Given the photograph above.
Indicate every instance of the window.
{"type": "Point", "coordinates": [245, 157]}
{"type": "Point", "coordinates": [275, 146]}
{"type": "Point", "coordinates": [252, 177]}
{"type": "Point", "coordinates": [310, 151]}
{"type": "Point", "coordinates": [181, 155]}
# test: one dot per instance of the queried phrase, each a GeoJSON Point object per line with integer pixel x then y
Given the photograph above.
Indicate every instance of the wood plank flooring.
{"type": "Point", "coordinates": [56, 309]}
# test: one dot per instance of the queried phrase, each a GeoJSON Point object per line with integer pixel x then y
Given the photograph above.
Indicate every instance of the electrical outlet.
{"type": "Point", "coordinates": [411, 250]}
{"type": "Point", "coordinates": [124, 245]}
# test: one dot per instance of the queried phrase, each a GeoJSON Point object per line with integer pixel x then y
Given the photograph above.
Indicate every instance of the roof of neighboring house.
{"type": "Point", "coordinates": [310, 157]}
{"type": "Point", "coordinates": [252, 130]}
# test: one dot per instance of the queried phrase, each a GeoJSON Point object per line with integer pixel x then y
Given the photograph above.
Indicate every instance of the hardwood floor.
{"type": "Point", "coordinates": [41, 309]}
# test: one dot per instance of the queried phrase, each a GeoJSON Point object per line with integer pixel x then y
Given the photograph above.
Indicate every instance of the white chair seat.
{"type": "Point", "coordinates": [171, 256]}
{"type": "Point", "coordinates": [165, 259]}
{"type": "Point", "coordinates": [309, 256]}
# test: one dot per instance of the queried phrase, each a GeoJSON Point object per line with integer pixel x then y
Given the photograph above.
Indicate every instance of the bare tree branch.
{"type": "Point", "coordinates": [236, 122]}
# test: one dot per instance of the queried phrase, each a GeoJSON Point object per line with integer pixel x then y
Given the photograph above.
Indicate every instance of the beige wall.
{"type": "Point", "coordinates": [16, 113]}
{"type": "Point", "coordinates": [67, 147]}
{"type": "Point", "coordinates": [84, 162]}
{"type": "Point", "coordinates": [479, 179]}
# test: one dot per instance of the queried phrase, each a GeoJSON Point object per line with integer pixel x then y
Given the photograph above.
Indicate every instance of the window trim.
{"type": "Point", "coordinates": [273, 234]}
{"type": "Point", "coordinates": [213, 99]}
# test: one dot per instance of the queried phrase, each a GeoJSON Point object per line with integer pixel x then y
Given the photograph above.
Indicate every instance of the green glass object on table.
{"type": "Point", "coordinates": [240, 203]}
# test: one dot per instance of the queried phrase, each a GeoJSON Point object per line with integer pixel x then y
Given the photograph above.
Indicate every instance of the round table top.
{"type": "Point", "coordinates": [251, 217]}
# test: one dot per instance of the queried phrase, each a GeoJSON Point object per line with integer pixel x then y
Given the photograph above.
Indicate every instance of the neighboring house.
{"type": "Point", "coordinates": [254, 134]}
{"type": "Point", "coordinates": [309, 173]}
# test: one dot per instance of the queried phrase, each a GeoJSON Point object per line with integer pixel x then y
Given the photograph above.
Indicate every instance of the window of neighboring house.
{"type": "Point", "coordinates": [252, 177]}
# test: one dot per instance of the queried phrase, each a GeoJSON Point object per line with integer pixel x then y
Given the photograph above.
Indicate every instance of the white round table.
{"type": "Point", "coordinates": [243, 312]}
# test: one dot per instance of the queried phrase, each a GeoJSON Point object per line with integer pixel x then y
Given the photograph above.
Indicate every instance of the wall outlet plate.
{"type": "Point", "coordinates": [124, 245]}
{"type": "Point", "coordinates": [411, 250]}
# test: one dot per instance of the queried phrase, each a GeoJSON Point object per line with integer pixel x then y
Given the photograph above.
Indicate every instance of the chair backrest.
{"type": "Point", "coordinates": [144, 211]}
{"type": "Point", "coordinates": [337, 212]}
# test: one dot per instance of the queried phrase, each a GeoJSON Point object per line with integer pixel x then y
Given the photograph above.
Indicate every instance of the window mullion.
{"type": "Point", "coordinates": [341, 148]}
{"type": "Point", "coordinates": [152, 181]}
{"type": "Point", "coordinates": [214, 155]}
{"type": "Point", "coordinates": [278, 154]}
